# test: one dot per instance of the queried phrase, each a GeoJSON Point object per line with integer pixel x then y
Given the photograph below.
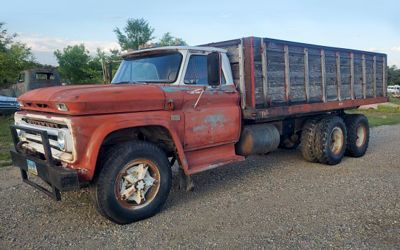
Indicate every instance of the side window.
{"type": "Point", "coordinates": [21, 77]}
{"type": "Point", "coordinates": [44, 76]}
{"type": "Point", "coordinates": [223, 80]}
{"type": "Point", "coordinates": [196, 72]}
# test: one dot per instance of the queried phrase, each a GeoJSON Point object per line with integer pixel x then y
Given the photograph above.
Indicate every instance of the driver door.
{"type": "Point", "coordinates": [212, 113]}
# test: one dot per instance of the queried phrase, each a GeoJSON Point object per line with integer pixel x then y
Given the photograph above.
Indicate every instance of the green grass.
{"type": "Point", "coordinates": [5, 140]}
{"type": "Point", "coordinates": [383, 115]}
{"type": "Point", "coordinates": [394, 100]}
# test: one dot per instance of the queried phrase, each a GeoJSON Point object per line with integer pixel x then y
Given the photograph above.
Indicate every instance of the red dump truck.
{"type": "Point", "coordinates": [203, 107]}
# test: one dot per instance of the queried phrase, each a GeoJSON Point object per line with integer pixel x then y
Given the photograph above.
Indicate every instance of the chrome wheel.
{"type": "Point", "coordinates": [137, 183]}
{"type": "Point", "coordinates": [361, 135]}
{"type": "Point", "coordinates": [337, 140]}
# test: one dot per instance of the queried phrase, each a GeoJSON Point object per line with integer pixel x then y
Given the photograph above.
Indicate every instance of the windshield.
{"type": "Point", "coordinates": [161, 67]}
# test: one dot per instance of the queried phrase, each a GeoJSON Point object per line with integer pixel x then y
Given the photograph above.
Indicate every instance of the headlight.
{"type": "Point", "coordinates": [17, 118]}
{"type": "Point", "coordinates": [61, 140]}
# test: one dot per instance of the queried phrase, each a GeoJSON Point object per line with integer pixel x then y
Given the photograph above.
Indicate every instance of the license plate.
{"type": "Point", "coordinates": [32, 167]}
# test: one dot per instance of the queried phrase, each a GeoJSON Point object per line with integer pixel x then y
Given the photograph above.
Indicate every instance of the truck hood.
{"type": "Point", "coordinates": [95, 99]}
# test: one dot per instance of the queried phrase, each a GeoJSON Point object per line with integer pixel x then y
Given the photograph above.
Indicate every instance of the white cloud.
{"type": "Point", "coordinates": [373, 49]}
{"type": "Point", "coordinates": [43, 47]}
{"type": "Point", "coordinates": [393, 54]}
{"type": "Point", "coordinates": [40, 43]}
{"type": "Point", "coordinates": [395, 49]}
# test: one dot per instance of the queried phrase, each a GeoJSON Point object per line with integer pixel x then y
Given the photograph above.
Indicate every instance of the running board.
{"type": "Point", "coordinates": [208, 158]}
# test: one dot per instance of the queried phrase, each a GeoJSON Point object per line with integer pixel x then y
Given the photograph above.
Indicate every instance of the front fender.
{"type": "Point", "coordinates": [91, 132]}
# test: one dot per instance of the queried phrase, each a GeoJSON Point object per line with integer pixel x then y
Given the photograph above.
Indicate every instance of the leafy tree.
{"type": "Point", "coordinates": [108, 61]}
{"type": "Point", "coordinates": [137, 32]}
{"type": "Point", "coordinates": [393, 75]}
{"type": "Point", "coordinates": [168, 40]}
{"type": "Point", "coordinates": [114, 55]}
{"type": "Point", "coordinates": [14, 57]}
{"type": "Point", "coordinates": [5, 38]}
{"type": "Point", "coordinates": [74, 65]}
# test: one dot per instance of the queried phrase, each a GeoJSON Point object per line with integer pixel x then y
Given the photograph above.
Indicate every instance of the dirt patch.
{"type": "Point", "coordinates": [273, 201]}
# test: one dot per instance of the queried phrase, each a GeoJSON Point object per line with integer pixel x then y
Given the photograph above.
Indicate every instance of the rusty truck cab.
{"type": "Point", "coordinates": [166, 96]}
{"type": "Point", "coordinates": [209, 112]}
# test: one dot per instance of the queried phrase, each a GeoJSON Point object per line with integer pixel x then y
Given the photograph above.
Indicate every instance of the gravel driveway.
{"type": "Point", "coordinates": [272, 201]}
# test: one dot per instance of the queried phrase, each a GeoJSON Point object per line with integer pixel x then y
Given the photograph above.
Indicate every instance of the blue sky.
{"type": "Point", "coordinates": [46, 25]}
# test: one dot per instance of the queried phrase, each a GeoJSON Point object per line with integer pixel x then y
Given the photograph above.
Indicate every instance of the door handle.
{"type": "Point", "coordinates": [198, 98]}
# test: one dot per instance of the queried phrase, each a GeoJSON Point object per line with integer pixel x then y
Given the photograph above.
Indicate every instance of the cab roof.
{"type": "Point", "coordinates": [176, 48]}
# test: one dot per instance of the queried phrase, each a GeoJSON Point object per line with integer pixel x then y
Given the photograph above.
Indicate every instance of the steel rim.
{"type": "Point", "coordinates": [361, 132]}
{"type": "Point", "coordinates": [337, 139]}
{"type": "Point", "coordinates": [137, 184]}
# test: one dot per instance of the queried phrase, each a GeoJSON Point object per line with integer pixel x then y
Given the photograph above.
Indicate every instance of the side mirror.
{"type": "Point", "coordinates": [213, 69]}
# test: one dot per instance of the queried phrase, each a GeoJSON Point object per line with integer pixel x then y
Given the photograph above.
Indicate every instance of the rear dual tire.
{"type": "Point", "coordinates": [327, 140]}
{"type": "Point", "coordinates": [357, 135]}
{"type": "Point", "coordinates": [330, 140]}
{"type": "Point", "coordinates": [290, 142]}
{"type": "Point", "coordinates": [307, 140]}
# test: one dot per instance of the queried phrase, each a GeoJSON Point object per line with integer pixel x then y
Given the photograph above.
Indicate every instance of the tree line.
{"type": "Point", "coordinates": [393, 75]}
{"type": "Point", "coordinates": [77, 65]}
{"type": "Point", "coordinates": [14, 57]}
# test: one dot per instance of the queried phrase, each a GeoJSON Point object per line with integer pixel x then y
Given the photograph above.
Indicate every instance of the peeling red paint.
{"type": "Point", "coordinates": [214, 121]}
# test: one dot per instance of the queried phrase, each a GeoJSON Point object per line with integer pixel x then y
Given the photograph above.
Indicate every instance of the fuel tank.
{"type": "Point", "coordinates": [258, 139]}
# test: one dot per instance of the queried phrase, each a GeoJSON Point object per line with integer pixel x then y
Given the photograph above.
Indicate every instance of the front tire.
{"type": "Point", "coordinates": [134, 182]}
{"type": "Point", "coordinates": [357, 135]}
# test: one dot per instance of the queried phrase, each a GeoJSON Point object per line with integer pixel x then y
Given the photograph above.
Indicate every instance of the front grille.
{"type": "Point", "coordinates": [34, 140]}
{"type": "Point", "coordinates": [38, 139]}
{"type": "Point", "coordinates": [43, 123]}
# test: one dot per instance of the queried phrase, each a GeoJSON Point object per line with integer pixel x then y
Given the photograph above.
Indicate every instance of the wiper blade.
{"type": "Point", "coordinates": [132, 82]}
{"type": "Point", "coordinates": [159, 81]}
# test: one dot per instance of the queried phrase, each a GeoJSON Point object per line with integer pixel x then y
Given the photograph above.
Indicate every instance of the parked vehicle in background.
{"type": "Point", "coordinates": [203, 106]}
{"type": "Point", "coordinates": [8, 105]}
{"type": "Point", "coordinates": [393, 89]}
{"type": "Point", "coordinates": [33, 79]}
